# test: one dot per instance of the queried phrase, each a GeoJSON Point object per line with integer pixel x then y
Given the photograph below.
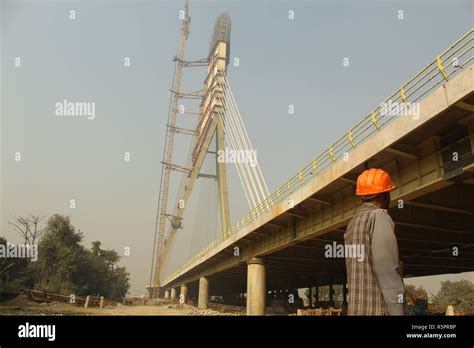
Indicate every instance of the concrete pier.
{"type": "Point", "coordinates": [183, 295]}
{"type": "Point", "coordinates": [256, 287]}
{"type": "Point", "coordinates": [173, 294]}
{"type": "Point", "coordinates": [203, 298]}
{"type": "Point", "coordinates": [167, 294]}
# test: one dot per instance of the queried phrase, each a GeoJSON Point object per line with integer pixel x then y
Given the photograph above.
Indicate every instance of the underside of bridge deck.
{"type": "Point", "coordinates": [434, 237]}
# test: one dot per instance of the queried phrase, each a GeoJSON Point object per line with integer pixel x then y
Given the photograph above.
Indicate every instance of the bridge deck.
{"type": "Point", "coordinates": [437, 196]}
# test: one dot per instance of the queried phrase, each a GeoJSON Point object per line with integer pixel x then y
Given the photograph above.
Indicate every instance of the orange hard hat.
{"type": "Point", "coordinates": [374, 181]}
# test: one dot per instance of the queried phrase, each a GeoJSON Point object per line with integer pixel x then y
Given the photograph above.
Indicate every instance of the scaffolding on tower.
{"type": "Point", "coordinates": [167, 163]}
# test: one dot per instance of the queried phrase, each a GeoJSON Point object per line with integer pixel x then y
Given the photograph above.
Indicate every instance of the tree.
{"type": "Point", "coordinates": [27, 227]}
{"type": "Point", "coordinates": [64, 265]}
{"type": "Point", "coordinates": [109, 278]}
{"type": "Point", "coordinates": [120, 282]}
{"type": "Point", "coordinates": [459, 294]}
{"type": "Point", "coordinates": [60, 256]}
{"type": "Point", "coordinates": [323, 293]}
{"type": "Point", "coordinates": [95, 250]}
{"type": "Point", "coordinates": [14, 273]}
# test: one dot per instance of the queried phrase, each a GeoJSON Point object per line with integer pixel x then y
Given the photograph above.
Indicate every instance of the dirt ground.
{"type": "Point", "coordinates": [21, 306]}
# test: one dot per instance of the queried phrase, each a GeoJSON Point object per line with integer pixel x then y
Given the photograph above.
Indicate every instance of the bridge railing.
{"type": "Point", "coordinates": [401, 103]}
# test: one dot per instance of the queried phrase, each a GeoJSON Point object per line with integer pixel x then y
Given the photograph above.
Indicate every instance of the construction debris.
{"type": "Point", "coordinates": [46, 297]}
{"type": "Point", "coordinates": [319, 312]}
{"type": "Point", "coordinates": [191, 310]}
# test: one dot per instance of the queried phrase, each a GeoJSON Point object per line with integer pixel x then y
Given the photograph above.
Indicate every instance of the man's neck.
{"type": "Point", "coordinates": [377, 204]}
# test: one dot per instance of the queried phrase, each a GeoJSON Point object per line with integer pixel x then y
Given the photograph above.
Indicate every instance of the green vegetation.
{"type": "Point", "coordinates": [66, 267]}
{"type": "Point", "coordinates": [14, 273]}
{"type": "Point", "coordinates": [459, 294]}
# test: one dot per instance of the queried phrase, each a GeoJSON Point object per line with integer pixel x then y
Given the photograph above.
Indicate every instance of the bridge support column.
{"type": "Point", "coordinates": [316, 296]}
{"type": "Point", "coordinates": [203, 293]}
{"type": "Point", "coordinates": [167, 294]}
{"type": "Point", "coordinates": [470, 127]}
{"type": "Point", "coordinates": [331, 294]}
{"type": "Point", "coordinates": [183, 295]}
{"type": "Point", "coordinates": [256, 287]}
{"type": "Point", "coordinates": [310, 293]}
{"type": "Point", "coordinates": [173, 294]}
{"type": "Point", "coordinates": [344, 295]}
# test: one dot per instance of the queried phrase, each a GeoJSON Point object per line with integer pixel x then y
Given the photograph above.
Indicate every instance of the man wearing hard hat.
{"type": "Point", "coordinates": [375, 282]}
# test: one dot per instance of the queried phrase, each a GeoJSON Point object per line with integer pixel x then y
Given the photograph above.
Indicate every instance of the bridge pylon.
{"type": "Point", "coordinates": [210, 127]}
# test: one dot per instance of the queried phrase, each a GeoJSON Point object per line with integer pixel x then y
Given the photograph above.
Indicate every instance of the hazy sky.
{"type": "Point", "coordinates": [282, 62]}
